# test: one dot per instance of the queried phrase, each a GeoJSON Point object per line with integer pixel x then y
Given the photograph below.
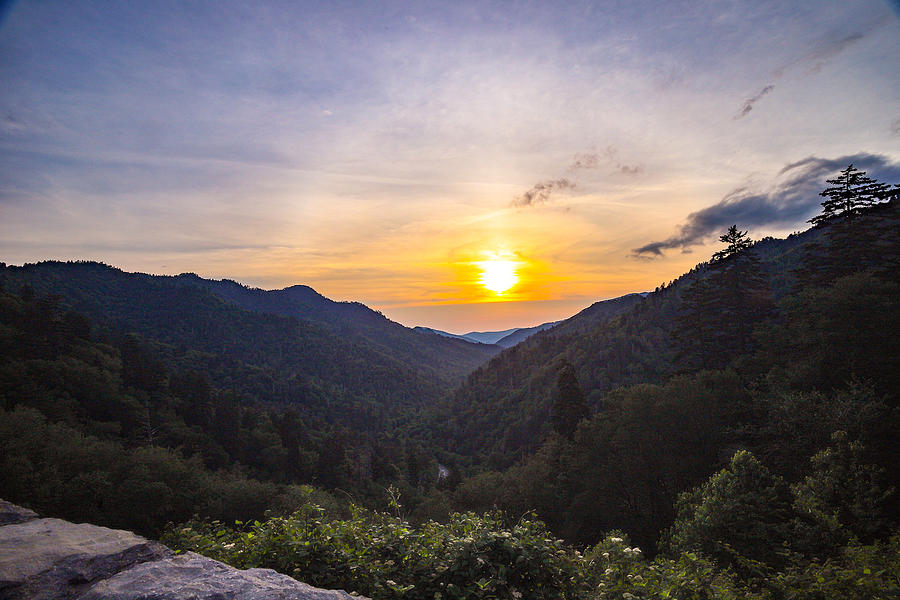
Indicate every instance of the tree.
{"type": "Point", "coordinates": [858, 235]}
{"type": "Point", "coordinates": [722, 306]}
{"type": "Point", "coordinates": [742, 512]}
{"type": "Point", "coordinates": [737, 241]}
{"type": "Point", "coordinates": [570, 406]}
{"type": "Point", "coordinates": [850, 192]}
{"type": "Point", "coordinates": [832, 335]}
{"type": "Point", "coordinates": [847, 491]}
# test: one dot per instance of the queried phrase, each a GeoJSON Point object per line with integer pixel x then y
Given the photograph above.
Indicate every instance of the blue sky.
{"type": "Point", "coordinates": [376, 151]}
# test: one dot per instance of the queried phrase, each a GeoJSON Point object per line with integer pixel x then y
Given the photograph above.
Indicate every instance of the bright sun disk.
{"type": "Point", "coordinates": [498, 275]}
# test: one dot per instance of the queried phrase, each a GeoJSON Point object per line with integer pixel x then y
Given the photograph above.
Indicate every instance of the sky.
{"type": "Point", "coordinates": [385, 152]}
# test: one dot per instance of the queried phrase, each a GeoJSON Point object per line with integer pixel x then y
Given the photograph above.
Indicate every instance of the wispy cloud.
{"type": "Point", "coordinates": [818, 57]}
{"type": "Point", "coordinates": [789, 203]}
{"type": "Point", "coordinates": [829, 48]}
{"type": "Point", "coordinates": [586, 160]}
{"type": "Point", "coordinates": [608, 159]}
{"type": "Point", "coordinates": [541, 192]}
{"type": "Point", "coordinates": [748, 104]}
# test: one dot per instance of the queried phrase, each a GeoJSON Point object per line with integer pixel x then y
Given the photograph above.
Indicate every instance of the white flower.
{"type": "Point", "coordinates": [637, 550]}
{"type": "Point", "coordinates": [606, 555]}
{"type": "Point", "coordinates": [616, 540]}
{"type": "Point", "coordinates": [228, 546]}
{"type": "Point", "coordinates": [626, 550]}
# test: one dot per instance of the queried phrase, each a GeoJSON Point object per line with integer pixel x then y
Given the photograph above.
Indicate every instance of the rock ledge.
{"type": "Point", "coordinates": [44, 559]}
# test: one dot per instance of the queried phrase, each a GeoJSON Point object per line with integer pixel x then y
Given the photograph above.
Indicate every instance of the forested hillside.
{"type": "Point", "coordinates": [181, 383]}
{"type": "Point", "coordinates": [503, 409]}
{"type": "Point", "coordinates": [329, 360]}
{"type": "Point", "coordinates": [770, 348]}
{"type": "Point", "coordinates": [448, 360]}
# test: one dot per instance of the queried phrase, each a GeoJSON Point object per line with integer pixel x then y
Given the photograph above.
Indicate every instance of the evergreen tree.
{"type": "Point", "coordinates": [721, 307]}
{"type": "Point", "coordinates": [570, 406]}
{"type": "Point", "coordinates": [855, 238]}
{"type": "Point", "coordinates": [737, 241]}
{"type": "Point", "coordinates": [850, 192]}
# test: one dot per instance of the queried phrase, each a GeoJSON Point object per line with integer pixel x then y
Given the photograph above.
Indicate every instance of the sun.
{"type": "Point", "coordinates": [498, 275]}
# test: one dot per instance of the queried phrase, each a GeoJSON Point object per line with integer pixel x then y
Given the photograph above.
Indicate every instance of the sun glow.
{"type": "Point", "coordinates": [498, 275]}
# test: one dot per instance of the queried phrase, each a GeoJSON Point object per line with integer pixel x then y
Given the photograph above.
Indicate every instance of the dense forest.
{"type": "Point", "coordinates": [730, 434]}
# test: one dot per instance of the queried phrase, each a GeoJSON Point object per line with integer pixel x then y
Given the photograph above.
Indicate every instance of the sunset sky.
{"type": "Point", "coordinates": [391, 152]}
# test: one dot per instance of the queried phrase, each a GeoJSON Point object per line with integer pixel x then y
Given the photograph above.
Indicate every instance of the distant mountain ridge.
{"type": "Point", "coordinates": [505, 339]}
{"type": "Point", "coordinates": [351, 320]}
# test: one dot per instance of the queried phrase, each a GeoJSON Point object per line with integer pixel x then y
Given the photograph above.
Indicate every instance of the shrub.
{"type": "Point", "coordinates": [384, 557]}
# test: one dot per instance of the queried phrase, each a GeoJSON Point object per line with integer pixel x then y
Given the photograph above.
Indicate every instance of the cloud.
{"type": "Point", "coordinates": [790, 202]}
{"type": "Point", "coordinates": [542, 191]}
{"type": "Point", "coordinates": [748, 104]}
{"type": "Point", "coordinates": [587, 160]}
{"type": "Point", "coordinates": [608, 158]}
{"type": "Point", "coordinates": [826, 49]}
{"type": "Point", "coordinates": [829, 48]}
{"type": "Point", "coordinates": [895, 126]}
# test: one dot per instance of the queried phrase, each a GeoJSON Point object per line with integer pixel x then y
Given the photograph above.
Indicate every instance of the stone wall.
{"type": "Point", "coordinates": [43, 559]}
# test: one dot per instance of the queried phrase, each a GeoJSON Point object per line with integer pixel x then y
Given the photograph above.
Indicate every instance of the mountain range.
{"type": "Point", "coordinates": [505, 339]}
{"type": "Point", "coordinates": [291, 346]}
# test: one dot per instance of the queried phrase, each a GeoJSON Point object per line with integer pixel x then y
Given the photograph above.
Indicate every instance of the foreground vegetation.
{"type": "Point", "coordinates": [742, 534]}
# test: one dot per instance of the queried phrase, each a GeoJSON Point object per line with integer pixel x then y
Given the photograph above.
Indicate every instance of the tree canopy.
{"type": "Point", "coordinates": [850, 192]}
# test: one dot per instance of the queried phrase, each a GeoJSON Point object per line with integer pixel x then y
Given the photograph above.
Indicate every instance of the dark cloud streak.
{"type": "Point", "coordinates": [587, 160]}
{"type": "Point", "coordinates": [609, 157]}
{"type": "Point", "coordinates": [541, 192]}
{"type": "Point", "coordinates": [818, 57]}
{"type": "Point", "coordinates": [748, 104]}
{"type": "Point", "coordinates": [788, 204]}
{"type": "Point", "coordinates": [831, 48]}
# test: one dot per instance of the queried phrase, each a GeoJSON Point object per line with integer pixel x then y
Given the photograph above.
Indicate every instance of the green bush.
{"type": "Point", "coordinates": [471, 556]}
{"type": "Point", "coordinates": [618, 571]}
{"type": "Point", "coordinates": [383, 556]}
{"type": "Point", "coordinates": [860, 573]}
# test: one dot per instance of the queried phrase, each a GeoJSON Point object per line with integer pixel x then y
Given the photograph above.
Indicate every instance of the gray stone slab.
{"type": "Point", "coordinates": [193, 577]}
{"type": "Point", "coordinates": [50, 558]}
{"type": "Point", "coordinates": [10, 513]}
